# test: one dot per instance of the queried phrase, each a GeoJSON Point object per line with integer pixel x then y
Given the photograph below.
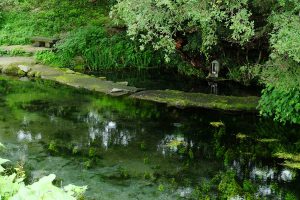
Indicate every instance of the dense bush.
{"type": "Point", "coordinates": [283, 104]}
{"type": "Point", "coordinates": [281, 97]}
{"type": "Point", "coordinates": [159, 22]}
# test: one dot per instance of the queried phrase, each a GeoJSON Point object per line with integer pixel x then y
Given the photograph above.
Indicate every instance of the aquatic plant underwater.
{"type": "Point", "coordinates": [123, 148]}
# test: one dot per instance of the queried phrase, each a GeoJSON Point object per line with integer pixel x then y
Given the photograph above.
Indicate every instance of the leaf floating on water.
{"type": "Point", "coordinates": [287, 156]}
{"type": "Point", "coordinates": [241, 136]}
{"type": "Point", "coordinates": [293, 165]}
{"type": "Point", "coordinates": [267, 140]}
{"type": "Point", "coordinates": [217, 124]}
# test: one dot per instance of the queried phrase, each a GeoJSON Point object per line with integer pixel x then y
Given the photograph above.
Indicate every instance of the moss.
{"type": "Point", "coordinates": [209, 101]}
{"type": "Point", "coordinates": [21, 73]}
{"type": "Point", "coordinates": [10, 70]}
{"type": "Point", "coordinates": [38, 75]}
{"type": "Point", "coordinates": [31, 74]}
{"type": "Point", "coordinates": [241, 136]}
{"type": "Point", "coordinates": [79, 68]}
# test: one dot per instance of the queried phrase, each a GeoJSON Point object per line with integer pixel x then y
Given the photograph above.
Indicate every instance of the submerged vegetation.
{"type": "Point", "coordinates": [131, 146]}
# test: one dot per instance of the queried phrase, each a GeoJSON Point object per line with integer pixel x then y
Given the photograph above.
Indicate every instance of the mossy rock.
{"type": "Point", "coordinates": [79, 68]}
{"type": "Point", "coordinates": [209, 101]}
{"type": "Point", "coordinates": [21, 73]}
{"type": "Point", "coordinates": [11, 70]}
{"type": "Point", "coordinates": [31, 74]}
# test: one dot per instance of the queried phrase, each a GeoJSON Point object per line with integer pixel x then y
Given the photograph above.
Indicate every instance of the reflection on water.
{"type": "Point", "coordinates": [105, 131]}
{"type": "Point", "coordinates": [160, 80]}
{"type": "Point", "coordinates": [136, 150]}
{"type": "Point", "coordinates": [170, 143]}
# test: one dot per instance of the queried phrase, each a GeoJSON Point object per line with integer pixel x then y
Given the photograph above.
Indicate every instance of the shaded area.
{"type": "Point", "coordinates": [161, 79]}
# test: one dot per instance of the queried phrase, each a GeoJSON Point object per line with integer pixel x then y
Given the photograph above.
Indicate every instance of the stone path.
{"type": "Point", "coordinates": [24, 48]}
{"type": "Point", "coordinates": [13, 65]}
{"type": "Point", "coordinates": [14, 60]}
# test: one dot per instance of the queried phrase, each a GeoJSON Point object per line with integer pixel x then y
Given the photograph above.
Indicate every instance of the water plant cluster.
{"type": "Point", "coordinates": [13, 187]}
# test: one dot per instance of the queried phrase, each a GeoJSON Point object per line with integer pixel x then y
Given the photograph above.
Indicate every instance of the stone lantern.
{"type": "Point", "coordinates": [215, 68]}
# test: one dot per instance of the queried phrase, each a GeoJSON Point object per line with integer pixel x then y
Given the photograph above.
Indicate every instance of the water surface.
{"type": "Point", "coordinates": [129, 149]}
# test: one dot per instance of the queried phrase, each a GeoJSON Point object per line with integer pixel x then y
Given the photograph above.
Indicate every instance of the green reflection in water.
{"type": "Point", "coordinates": [127, 149]}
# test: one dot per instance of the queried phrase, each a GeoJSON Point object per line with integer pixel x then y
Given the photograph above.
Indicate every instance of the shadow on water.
{"type": "Point", "coordinates": [128, 149]}
{"type": "Point", "coordinates": [155, 79]}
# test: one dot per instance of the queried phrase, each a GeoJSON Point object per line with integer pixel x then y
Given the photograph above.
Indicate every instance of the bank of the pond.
{"type": "Point", "coordinates": [26, 66]}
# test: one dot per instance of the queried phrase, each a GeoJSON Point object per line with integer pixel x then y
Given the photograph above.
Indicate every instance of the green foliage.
{"type": "Point", "coordinates": [281, 97]}
{"type": "Point", "coordinates": [285, 39]}
{"type": "Point", "coordinates": [14, 188]}
{"type": "Point", "coordinates": [225, 185]}
{"type": "Point", "coordinates": [228, 186]}
{"type": "Point", "coordinates": [290, 196]}
{"type": "Point", "coordinates": [14, 52]}
{"type": "Point", "coordinates": [49, 58]}
{"type": "Point", "coordinates": [23, 19]}
{"type": "Point", "coordinates": [253, 39]}
{"type": "Point", "coordinates": [284, 105]}
{"type": "Point", "coordinates": [158, 22]}
{"type": "Point", "coordinates": [245, 74]}
{"type": "Point", "coordinates": [183, 67]}
{"type": "Point", "coordinates": [99, 50]}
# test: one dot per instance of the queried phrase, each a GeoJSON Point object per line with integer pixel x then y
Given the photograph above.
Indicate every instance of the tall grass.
{"type": "Point", "coordinates": [118, 52]}
{"type": "Point", "coordinates": [20, 20]}
{"type": "Point", "coordinates": [101, 50]}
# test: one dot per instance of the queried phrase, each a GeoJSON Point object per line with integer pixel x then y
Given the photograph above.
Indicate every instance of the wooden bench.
{"type": "Point", "coordinates": [44, 41]}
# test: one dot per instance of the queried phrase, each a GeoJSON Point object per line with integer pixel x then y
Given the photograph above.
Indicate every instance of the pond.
{"type": "Point", "coordinates": [129, 149]}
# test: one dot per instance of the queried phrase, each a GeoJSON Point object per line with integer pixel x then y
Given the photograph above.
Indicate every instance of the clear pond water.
{"type": "Point", "coordinates": [127, 149]}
